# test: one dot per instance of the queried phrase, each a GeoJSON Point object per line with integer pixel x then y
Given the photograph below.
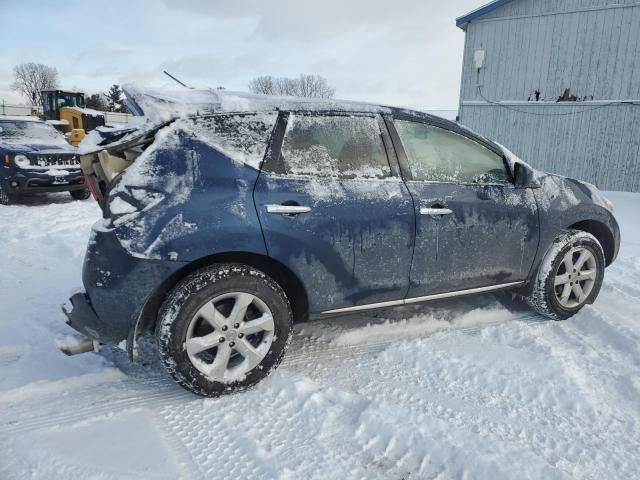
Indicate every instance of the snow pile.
{"type": "Point", "coordinates": [457, 389]}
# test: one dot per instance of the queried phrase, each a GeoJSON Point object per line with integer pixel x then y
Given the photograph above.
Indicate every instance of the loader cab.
{"type": "Point", "coordinates": [69, 108]}
{"type": "Point", "coordinates": [54, 100]}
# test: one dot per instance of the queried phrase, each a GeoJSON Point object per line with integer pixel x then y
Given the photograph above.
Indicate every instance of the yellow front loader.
{"type": "Point", "coordinates": [67, 110]}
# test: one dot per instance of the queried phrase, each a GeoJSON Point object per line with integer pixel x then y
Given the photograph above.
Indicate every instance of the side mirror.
{"type": "Point", "coordinates": [524, 176]}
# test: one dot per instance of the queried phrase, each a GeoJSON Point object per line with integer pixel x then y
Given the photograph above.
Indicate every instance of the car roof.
{"type": "Point", "coordinates": [170, 103]}
{"type": "Point", "coordinates": [173, 102]}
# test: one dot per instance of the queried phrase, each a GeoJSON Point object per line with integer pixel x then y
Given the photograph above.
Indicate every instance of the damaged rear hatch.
{"type": "Point", "coordinates": [106, 153]}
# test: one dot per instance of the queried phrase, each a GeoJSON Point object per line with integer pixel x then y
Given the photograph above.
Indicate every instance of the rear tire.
{"type": "Point", "coordinates": [80, 194]}
{"type": "Point", "coordinates": [569, 276]}
{"type": "Point", "coordinates": [223, 329]}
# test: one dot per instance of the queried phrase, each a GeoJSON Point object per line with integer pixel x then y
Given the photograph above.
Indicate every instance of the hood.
{"type": "Point", "coordinates": [556, 187]}
{"type": "Point", "coordinates": [25, 148]}
{"type": "Point", "coordinates": [587, 189]}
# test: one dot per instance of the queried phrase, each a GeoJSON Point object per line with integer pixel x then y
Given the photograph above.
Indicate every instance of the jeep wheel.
{"type": "Point", "coordinates": [569, 277]}
{"type": "Point", "coordinates": [80, 194]}
{"type": "Point", "coordinates": [223, 328]}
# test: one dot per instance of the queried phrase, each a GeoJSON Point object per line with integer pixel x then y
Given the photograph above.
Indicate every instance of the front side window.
{"type": "Point", "coordinates": [334, 146]}
{"type": "Point", "coordinates": [438, 155]}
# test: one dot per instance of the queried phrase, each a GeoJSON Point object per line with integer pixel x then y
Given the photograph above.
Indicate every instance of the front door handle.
{"type": "Point", "coordinates": [435, 211]}
{"type": "Point", "coordinates": [287, 209]}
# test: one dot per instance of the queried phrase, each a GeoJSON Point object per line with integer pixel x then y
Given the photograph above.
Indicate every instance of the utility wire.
{"type": "Point", "coordinates": [586, 109]}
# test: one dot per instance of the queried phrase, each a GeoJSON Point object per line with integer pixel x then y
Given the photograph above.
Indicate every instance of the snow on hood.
{"type": "Point", "coordinates": [558, 185]}
{"type": "Point", "coordinates": [43, 148]}
{"type": "Point", "coordinates": [30, 132]}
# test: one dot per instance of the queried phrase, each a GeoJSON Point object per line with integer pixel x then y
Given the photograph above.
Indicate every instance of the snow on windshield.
{"type": "Point", "coordinates": [28, 131]}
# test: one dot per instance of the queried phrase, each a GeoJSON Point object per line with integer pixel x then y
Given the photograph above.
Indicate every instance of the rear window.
{"type": "Point", "coordinates": [241, 137]}
{"type": "Point", "coordinates": [334, 146]}
{"type": "Point", "coordinates": [29, 132]}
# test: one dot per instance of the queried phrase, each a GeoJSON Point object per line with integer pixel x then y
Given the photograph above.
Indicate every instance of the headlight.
{"type": "Point", "coordinates": [21, 161]}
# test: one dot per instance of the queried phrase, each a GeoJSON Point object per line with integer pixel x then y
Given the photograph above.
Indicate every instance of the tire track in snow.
{"type": "Point", "coordinates": [140, 391]}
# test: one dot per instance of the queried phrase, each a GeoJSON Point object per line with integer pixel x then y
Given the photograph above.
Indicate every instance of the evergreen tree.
{"type": "Point", "coordinates": [114, 99]}
{"type": "Point", "coordinates": [97, 102]}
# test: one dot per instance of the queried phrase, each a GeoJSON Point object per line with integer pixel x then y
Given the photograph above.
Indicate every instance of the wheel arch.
{"type": "Point", "coordinates": [602, 233]}
{"type": "Point", "coordinates": [290, 283]}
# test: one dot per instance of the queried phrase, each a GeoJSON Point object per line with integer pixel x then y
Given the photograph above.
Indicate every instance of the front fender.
{"type": "Point", "coordinates": [565, 203]}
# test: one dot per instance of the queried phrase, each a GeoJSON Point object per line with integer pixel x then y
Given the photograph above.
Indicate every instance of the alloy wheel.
{"type": "Point", "coordinates": [575, 277]}
{"type": "Point", "coordinates": [229, 336]}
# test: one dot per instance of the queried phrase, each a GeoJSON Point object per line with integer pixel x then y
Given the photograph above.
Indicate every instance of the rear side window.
{"type": "Point", "coordinates": [241, 137]}
{"type": "Point", "coordinates": [438, 155]}
{"type": "Point", "coordinates": [334, 146]}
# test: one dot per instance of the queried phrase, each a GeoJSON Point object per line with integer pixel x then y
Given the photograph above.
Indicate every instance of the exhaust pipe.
{"type": "Point", "coordinates": [75, 344]}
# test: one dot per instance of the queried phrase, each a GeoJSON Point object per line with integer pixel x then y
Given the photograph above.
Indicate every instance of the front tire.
{"type": "Point", "coordinates": [223, 329]}
{"type": "Point", "coordinates": [569, 277]}
{"type": "Point", "coordinates": [80, 194]}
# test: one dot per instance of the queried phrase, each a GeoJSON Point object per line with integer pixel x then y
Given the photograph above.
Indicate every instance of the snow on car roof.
{"type": "Point", "coordinates": [154, 107]}
{"type": "Point", "coordinates": [19, 118]}
{"type": "Point", "coordinates": [170, 103]}
{"type": "Point", "coordinates": [163, 105]}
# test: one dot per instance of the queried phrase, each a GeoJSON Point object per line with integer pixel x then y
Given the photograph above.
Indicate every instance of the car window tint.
{"type": "Point", "coordinates": [334, 146]}
{"type": "Point", "coordinates": [438, 155]}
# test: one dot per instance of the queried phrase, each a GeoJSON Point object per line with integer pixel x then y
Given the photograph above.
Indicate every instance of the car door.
{"type": "Point", "coordinates": [474, 228]}
{"type": "Point", "coordinates": [333, 211]}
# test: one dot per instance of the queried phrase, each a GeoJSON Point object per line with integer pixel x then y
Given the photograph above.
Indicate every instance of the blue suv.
{"type": "Point", "coordinates": [229, 217]}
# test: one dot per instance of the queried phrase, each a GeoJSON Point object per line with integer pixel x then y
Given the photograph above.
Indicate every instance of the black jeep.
{"type": "Point", "coordinates": [36, 158]}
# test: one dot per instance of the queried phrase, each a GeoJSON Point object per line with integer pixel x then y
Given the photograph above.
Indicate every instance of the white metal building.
{"type": "Point", "coordinates": [530, 53]}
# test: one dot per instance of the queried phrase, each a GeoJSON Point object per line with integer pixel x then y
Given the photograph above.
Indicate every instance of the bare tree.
{"type": "Point", "coordinates": [31, 78]}
{"type": "Point", "coordinates": [303, 86]}
{"type": "Point", "coordinates": [314, 86]}
{"type": "Point", "coordinates": [263, 85]}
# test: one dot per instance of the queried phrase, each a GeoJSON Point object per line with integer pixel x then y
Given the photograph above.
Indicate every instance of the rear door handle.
{"type": "Point", "coordinates": [435, 211]}
{"type": "Point", "coordinates": [287, 209]}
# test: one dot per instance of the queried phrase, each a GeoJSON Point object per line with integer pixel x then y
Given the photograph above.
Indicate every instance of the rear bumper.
{"type": "Point", "coordinates": [82, 317]}
{"type": "Point", "coordinates": [31, 182]}
{"type": "Point", "coordinates": [117, 287]}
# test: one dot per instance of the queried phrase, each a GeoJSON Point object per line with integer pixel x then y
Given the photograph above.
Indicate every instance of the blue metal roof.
{"type": "Point", "coordinates": [478, 12]}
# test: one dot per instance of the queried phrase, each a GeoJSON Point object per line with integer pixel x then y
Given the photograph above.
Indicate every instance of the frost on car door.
{"type": "Point", "coordinates": [332, 211]}
{"type": "Point", "coordinates": [473, 227]}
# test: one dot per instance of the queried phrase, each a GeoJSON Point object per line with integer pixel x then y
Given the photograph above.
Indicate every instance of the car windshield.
{"type": "Point", "coordinates": [29, 132]}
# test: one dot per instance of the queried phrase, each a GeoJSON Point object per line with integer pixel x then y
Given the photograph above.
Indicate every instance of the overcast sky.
{"type": "Point", "coordinates": [402, 52]}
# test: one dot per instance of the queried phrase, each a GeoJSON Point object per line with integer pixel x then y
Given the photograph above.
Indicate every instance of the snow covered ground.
{"type": "Point", "coordinates": [459, 389]}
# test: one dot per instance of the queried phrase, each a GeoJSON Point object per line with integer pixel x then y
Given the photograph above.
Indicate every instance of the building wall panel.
{"type": "Point", "coordinates": [591, 47]}
{"type": "Point", "coordinates": [601, 145]}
